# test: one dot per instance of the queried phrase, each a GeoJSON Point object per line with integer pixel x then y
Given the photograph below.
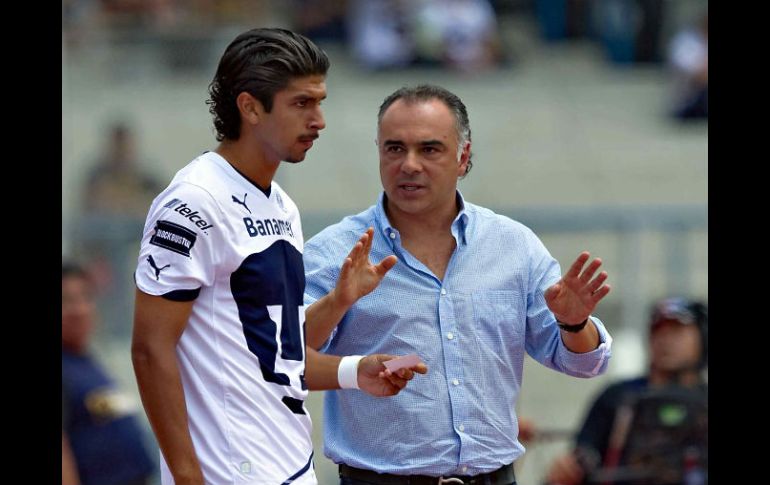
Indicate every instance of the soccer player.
{"type": "Point", "coordinates": [218, 344]}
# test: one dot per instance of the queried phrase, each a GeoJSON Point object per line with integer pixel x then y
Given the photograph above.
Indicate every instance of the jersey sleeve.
{"type": "Point", "coordinates": [178, 251]}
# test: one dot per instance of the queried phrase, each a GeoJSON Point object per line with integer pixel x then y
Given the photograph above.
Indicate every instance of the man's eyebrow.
{"type": "Point", "coordinates": [422, 143]}
{"type": "Point", "coordinates": [300, 96]}
{"type": "Point", "coordinates": [432, 143]}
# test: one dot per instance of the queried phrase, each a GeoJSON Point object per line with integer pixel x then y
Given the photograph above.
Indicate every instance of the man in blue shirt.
{"type": "Point", "coordinates": [472, 291]}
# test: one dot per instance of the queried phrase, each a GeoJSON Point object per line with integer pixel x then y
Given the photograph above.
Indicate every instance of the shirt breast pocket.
{"type": "Point", "coordinates": [499, 318]}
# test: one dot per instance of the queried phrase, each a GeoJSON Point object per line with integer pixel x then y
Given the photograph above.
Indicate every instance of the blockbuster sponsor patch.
{"type": "Point", "coordinates": [173, 237]}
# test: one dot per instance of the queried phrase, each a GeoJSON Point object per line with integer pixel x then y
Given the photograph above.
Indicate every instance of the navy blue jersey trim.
{"type": "Point", "coordinates": [261, 189]}
{"type": "Point", "coordinates": [182, 295]}
{"type": "Point", "coordinates": [177, 295]}
{"type": "Point", "coordinates": [301, 471]}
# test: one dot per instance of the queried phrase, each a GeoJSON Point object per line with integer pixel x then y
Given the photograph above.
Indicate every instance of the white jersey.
{"type": "Point", "coordinates": [215, 237]}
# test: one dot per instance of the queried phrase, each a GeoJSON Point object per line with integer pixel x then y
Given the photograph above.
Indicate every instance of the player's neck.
{"type": "Point", "coordinates": [249, 160]}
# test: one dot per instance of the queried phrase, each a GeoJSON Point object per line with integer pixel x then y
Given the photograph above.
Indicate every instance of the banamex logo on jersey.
{"type": "Point", "coordinates": [268, 227]}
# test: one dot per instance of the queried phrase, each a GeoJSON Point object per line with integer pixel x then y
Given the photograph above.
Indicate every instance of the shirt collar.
{"type": "Point", "coordinates": [459, 225]}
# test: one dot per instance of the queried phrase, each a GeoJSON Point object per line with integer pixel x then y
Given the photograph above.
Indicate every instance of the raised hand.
{"type": "Point", "coordinates": [575, 296]}
{"type": "Point", "coordinates": [358, 277]}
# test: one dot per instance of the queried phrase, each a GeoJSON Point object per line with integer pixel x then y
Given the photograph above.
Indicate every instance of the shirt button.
{"type": "Point", "coordinates": [461, 428]}
{"type": "Point", "coordinates": [393, 235]}
{"type": "Point", "coordinates": [443, 291]}
{"type": "Point", "coordinates": [450, 335]}
{"type": "Point", "coordinates": [465, 468]}
{"type": "Point", "coordinates": [455, 382]}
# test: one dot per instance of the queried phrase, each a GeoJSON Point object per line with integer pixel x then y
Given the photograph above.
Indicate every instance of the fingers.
{"type": "Point", "coordinates": [574, 270]}
{"type": "Point", "coordinates": [406, 374]}
{"type": "Point", "coordinates": [385, 265]}
{"type": "Point", "coordinates": [601, 293]}
{"type": "Point", "coordinates": [397, 381]}
{"type": "Point", "coordinates": [593, 287]}
{"type": "Point", "coordinates": [590, 270]}
{"type": "Point", "coordinates": [363, 245]}
{"type": "Point", "coordinates": [597, 282]}
{"type": "Point", "coordinates": [359, 256]}
{"type": "Point", "coordinates": [347, 265]}
{"type": "Point", "coordinates": [362, 251]}
{"type": "Point", "coordinates": [393, 379]}
{"type": "Point", "coordinates": [369, 238]}
{"type": "Point", "coordinates": [597, 288]}
{"type": "Point", "coordinates": [355, 252]}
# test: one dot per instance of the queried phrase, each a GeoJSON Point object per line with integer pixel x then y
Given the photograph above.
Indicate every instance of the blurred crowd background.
{"type": "Point", "coordinates": [589, 119]}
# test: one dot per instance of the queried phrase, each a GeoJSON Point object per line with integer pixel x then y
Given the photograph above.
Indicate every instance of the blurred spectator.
{"type": "Point", "coordinates": [458, 34]}
{"type": "Point", "coordinates": [689, 60]}
{"type": "Point", "coordinates": [141, 13]}
{"type": "Point", "coordinates": [461, 34]}
{"type": "Point", "coordinates": [379, 34]}
{"type": "Point", "coordinates": [321, 20]}
{"type": "Point", "coordinates": [116, 197]}
{"type": "Point", "coordinates": [639, 430]}
{"type": "Point", "coordinates": [652, 15]}
{"type": "Point", "coordinates": [117, 184]}
{"type": "Point", "coordinates": [76, 17]}
{"type": "Point", "coordinates": [99, 428]}
{"type": "Point", "coordinates": [562, 19]}
{"type": "Point", "coordinates": [629, 30]}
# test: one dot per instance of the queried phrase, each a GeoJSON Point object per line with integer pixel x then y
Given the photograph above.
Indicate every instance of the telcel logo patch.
{"type": "Point", "coordinates": [193, 216]}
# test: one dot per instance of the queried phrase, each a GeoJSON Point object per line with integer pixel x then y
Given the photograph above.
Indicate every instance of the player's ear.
{"type": "Point", "coordinates": [251, 108]}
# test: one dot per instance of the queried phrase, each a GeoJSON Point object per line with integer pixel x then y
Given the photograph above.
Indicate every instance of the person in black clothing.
{"type": "Point", "coordinates": [641, 429]}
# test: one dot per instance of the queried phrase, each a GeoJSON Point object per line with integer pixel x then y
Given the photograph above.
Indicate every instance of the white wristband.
{"type": "Point", "coordinates": [347, 372]}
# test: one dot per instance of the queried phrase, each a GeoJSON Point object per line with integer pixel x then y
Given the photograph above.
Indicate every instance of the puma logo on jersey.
{"type": "Point", "coordinates": [243, 203]}
{"type": "Point", "coordinates": [155, 267]}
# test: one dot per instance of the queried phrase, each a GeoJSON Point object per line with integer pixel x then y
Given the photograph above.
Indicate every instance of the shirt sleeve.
{"type": "Point", "coordinates": [178, 251]}
{"type": "Point", "coordinates": [543, 339]}
{"type": "Point", "coordinates": [321, 273]}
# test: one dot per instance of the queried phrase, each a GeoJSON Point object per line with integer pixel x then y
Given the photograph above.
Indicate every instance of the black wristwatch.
{"type": "Point", "coordinates": [572, 328]}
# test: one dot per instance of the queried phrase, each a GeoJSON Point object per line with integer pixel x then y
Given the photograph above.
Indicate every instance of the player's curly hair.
{"type": "Point", "coordinates": [260, 62]}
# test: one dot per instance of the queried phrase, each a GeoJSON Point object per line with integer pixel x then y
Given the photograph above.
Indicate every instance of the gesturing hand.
{"type": "Point", "coordinates": [358, 277]}
{"type": "Point", "coordinates": [573, 298]}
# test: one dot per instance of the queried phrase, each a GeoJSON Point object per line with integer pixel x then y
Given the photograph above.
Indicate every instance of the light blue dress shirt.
{"type": "Point", "coordinates": [471, 329]}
